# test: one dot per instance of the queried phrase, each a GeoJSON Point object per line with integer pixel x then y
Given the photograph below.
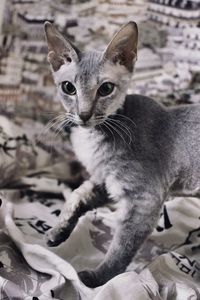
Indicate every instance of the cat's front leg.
{"type": "Point", "coordinates": [141, 213]}
{"type": "Point", "coordinates": [86, 197]}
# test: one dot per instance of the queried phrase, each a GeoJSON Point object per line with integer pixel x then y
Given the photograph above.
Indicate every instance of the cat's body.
{"type": "Point", "coordinates": [135, 150]}
{"type": "Point", "coordinates": [164, 142]}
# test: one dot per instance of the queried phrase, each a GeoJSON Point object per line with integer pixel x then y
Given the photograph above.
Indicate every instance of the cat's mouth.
{"type": "Point", "coordinates": [86, 125]}
{"type": "Point", "coordinates": [91, 123]}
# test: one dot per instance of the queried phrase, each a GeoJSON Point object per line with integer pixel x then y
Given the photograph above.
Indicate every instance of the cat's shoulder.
{"type": "Point", "coordinates": [144, 102]}
{"type": "Point", "coordinates": [140, 103]}
{"type": "Point", "coordinates": [141, 100]}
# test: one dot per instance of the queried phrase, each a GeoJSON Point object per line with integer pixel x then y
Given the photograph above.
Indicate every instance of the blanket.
{"type": "Point", "coordinates": [36, 179]}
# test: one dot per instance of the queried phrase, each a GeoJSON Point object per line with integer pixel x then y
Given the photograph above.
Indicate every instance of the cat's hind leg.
{"type": "Point", "coordinates": [86, 197]}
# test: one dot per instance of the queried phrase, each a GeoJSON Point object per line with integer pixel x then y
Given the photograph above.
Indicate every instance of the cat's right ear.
{"type": "Point", "coordinates": [60, 50]}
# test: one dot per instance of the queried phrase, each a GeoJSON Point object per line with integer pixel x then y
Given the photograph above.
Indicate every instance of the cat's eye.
{"type": "Point", "coordinates": [68, 88]}
{"type": "Point", "coordinates": [106, 89]}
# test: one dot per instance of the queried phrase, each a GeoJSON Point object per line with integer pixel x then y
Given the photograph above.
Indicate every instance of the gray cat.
{"type": "Point", "coordinates": [135, 150]}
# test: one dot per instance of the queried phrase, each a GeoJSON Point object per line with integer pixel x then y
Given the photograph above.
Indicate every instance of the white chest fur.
{"type": "Point", "coordinates": [89, 149]}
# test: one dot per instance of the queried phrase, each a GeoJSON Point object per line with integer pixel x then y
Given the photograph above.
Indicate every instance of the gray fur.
{"type": "Point", "coordinates": [137, 153]}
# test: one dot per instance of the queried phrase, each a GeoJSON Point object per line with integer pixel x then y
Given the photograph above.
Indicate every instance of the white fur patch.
{"type": "Point", "coordinates": [86, 144]}
{"type": "Point", "coordinates": [82, 194]}
{"type": "Point", "coordinates": [114, 187]}
{"type": "Point", "coordinates": [67, 72]}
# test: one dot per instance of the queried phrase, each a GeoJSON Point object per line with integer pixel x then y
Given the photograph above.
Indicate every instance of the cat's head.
{"type": "Point", "coordinates": [92, 85]}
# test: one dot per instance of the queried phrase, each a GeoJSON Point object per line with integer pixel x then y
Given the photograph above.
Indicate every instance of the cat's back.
{"type": "Point", "coordinates": [186, 114]}
{"type": "Point", "coordinates": [186, 123]}
{"type": "Point", "coordinates": [181, 119]}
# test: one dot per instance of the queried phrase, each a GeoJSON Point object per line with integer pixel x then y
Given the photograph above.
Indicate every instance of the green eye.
{"type": "Point", "coordinates": [68, 88]}
{"type": "Point", "coordinates": [106, 89]}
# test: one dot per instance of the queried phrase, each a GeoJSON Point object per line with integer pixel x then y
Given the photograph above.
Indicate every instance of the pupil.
{"type": "Point", "coordinates": [69, 87]}
{"type": "Point", "coordinates": [106, 88]}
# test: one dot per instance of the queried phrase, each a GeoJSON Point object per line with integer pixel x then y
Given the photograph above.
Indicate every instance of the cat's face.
{"type": "Point", "coordinates": [92, 85]}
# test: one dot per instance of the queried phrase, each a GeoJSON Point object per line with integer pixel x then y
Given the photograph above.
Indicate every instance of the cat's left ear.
{"type": "Point", "coordinates": [123, 47]}
{"type": "Point", "coordinates": [60, 50]}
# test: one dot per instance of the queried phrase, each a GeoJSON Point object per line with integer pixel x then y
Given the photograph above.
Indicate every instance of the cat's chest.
{"type": "Point", "coordinates": [89, 148]}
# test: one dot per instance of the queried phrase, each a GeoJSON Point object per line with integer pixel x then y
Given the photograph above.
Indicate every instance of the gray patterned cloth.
{"type": "Point", "coordinates": [34, 185]}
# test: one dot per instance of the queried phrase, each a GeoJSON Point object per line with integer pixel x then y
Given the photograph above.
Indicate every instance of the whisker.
{"type": "Point", "coordinates": [125, 117]}
{"type": "Point", "coordinates": [52, 134]}
{"type": "Point", "coordinates": [101, 128]}
{"type": "Point", "coordinates": [99, 117]}
{"type": "Point", "coordinates": [51, 112]}
{"type": "Point", "coordinates": [120, 122]}
{"type": "Point", "coordinates": [62, 125]}
{"type": "Point", "coordinates": [125, 129]}
{"type": "Point", "coordinates": [55, 120]}
{"type": "Point", "coordinates": [60, 131]}
{"type": "Point", "coordinates": [59, 128]}
{"type": "Point", "coordinates": [118, 132]}
{"type": "Point", "coordinates": [50, 125]}
{"type": "Point", "coordinates": [114, 140]}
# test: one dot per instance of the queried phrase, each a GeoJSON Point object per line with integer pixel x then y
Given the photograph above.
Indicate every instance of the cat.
{"type": "Point", "coordinates": [135, 150]}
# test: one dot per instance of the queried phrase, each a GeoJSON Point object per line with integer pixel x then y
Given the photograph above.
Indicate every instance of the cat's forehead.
{"type": "Point", "coordinates": [85, 70]}
{"type": "Point", "coordinates": [89, 65]}
{"type": "Point", "coordinates": [91, 70]}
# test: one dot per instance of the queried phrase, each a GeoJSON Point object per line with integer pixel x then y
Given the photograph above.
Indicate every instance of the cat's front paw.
{"type": "Point", "coordinates": [57, 235]}
{"type": "Point", "coordinates": [89, 278]}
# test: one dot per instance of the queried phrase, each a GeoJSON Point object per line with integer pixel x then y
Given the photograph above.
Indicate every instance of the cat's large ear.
{"type": "Point", "coordinates": [123, 46]}
{"type": "Point", "coordinates": [60, 50]}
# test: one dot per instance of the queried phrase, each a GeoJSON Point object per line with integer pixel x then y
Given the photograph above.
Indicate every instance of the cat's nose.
{"type": "Point", "coordinates": [85, 116]}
